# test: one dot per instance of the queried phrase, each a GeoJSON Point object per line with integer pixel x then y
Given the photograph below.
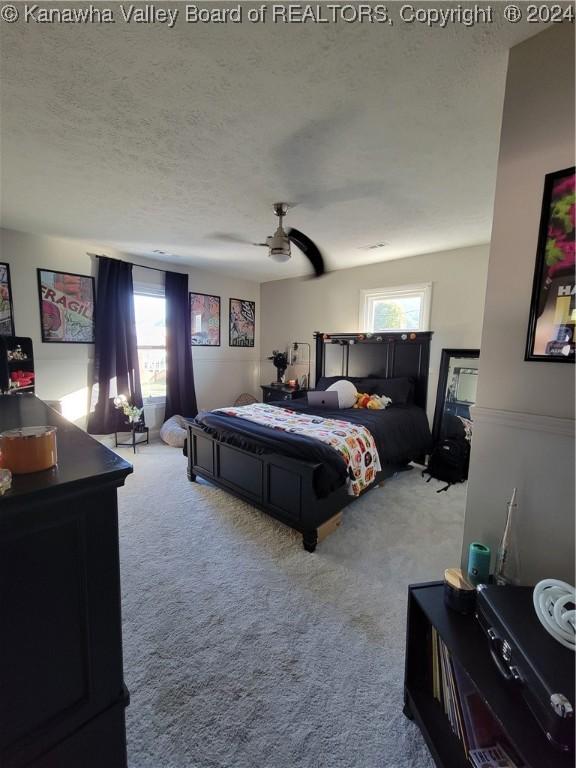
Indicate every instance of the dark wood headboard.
{"type": "Point", "coordinates": [367, 354]}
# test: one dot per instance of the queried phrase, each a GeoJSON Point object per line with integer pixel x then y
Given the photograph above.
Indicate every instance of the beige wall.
{"type": "Point", "coordinates": [63, 370]}
{"type": "Point", "coordinates": [524, 420]}
{"type": "Point", "coordinates": [537, 138]}
{"type": "Point", "coordinates": [293, 309]}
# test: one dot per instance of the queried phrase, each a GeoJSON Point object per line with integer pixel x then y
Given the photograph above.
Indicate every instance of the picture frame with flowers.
{"type": "Point", "coordinates": [551, 325]}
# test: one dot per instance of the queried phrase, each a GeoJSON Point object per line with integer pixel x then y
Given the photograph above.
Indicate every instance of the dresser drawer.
{"type": "Point", "coordinates": [274, 395]}
{"type": "Point", "coordinates": [271, 397]}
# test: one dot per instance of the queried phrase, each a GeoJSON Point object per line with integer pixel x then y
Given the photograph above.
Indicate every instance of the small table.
{"type": "Point", "coordinates": [272, 394]}
{"type": "Point", "coordinates": [137, 429]}
{"type": "Point", "coordinates": [465, 641]}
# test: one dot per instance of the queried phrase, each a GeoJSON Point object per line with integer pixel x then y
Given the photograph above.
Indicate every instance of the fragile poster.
{"type": "Point", "coordinates": [66, 307]}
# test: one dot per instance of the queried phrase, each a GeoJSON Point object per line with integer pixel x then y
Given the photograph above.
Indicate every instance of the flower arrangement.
{"type": "Point", "coordinates": [132, 412]}
{"type": "Point", "coordinates": [560, 253]}
{"type": "Point", "coordinates": [551, 328]}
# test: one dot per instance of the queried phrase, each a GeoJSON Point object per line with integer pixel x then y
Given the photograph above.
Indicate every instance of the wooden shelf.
{"type": "Point", "coordinates": [445, 747]}
{"type": "Point", "coordinates": [465, 640]}
{"type": "Point", "coordinates": [9, 344]}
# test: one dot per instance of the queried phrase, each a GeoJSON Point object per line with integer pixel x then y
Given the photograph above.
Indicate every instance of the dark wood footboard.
{"type": "Point", "coordinates": [278, 485]}
{"type": "Point", "coordinates": [284, 487]}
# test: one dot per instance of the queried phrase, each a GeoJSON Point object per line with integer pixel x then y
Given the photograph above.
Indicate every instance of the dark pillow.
{"type": "Point", "coordinates": [400, 389]}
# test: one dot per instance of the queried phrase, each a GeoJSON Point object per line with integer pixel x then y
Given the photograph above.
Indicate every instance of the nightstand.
{"type": "Point", "coordinates": [274, 394]}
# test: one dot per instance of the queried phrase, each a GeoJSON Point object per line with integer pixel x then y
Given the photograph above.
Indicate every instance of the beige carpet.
{"type": "Point", "coordinates": [241, 650]}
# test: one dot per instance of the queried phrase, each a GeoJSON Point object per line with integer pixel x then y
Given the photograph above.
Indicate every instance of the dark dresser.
{"type": "Point", "coordinates": [62, 693]}
{"type": "Point", "coordinates": [274, 394]}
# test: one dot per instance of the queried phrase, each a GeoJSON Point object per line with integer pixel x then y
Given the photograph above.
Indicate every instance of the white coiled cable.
{"type": "Point", "coordinates": [550, 600]}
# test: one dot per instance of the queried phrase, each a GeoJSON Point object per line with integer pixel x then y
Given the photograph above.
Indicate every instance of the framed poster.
{"type": "Point", "coordinates": [66, 307]}
{"type": "Point", "coordinates": [553, 305]}
{"type": "Point", "coordinates": [6, 308]}
{"type": "Point", "coordinates": [205, 319]}
{"type": "Point", "coordinates": [242, 322]}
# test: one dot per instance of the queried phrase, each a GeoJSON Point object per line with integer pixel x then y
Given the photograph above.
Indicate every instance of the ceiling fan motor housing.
{"type": "Point", "coordinates": [280, 209]}
{"type": "Point", "coordinates": [279, 245]}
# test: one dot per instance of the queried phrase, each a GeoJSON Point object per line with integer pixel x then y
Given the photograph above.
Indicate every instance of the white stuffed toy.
{"type": "Point", "coordinates": [346, 393]}
{"type": "Point", "coordinates": [378, 402]}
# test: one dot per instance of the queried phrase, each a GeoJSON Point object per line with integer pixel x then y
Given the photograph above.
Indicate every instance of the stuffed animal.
{"type": "Point", "coordinates": [362, 400]}
{"type": "Point", "coordinates": [374, 402]}
{"type": "Point", "coordinates": [378, 402]}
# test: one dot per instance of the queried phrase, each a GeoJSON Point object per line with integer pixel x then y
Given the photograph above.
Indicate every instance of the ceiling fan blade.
{"type": "Point", "coordinates": [304, 162]}
{"type": "Point", "coordinates": [227, 238]}
{"type": "Point", "coordinates": [309, 249]}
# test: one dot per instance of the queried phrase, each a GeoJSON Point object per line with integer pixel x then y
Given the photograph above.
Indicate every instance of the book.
{"type": "Point", "coordinates": [435, 672]}
{"type": "Point", "coordinates": [457, 706]}
{"type": "Point", "coordinates": [491, 757]}
{"type": "Point", "coordinates": [448, 699]}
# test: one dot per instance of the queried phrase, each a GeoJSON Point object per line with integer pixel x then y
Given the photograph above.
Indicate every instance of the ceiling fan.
{"type": "Point", "coordinates": [279, 244]}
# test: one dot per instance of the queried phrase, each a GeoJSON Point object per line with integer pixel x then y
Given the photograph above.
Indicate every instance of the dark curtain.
{"type": "Point", "coordinates": [116, 353]}
{"type": "Point", "coordinates": [180, 392]}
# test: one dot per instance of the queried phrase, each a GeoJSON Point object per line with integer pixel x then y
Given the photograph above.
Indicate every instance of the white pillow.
{"type": "Point", "coordinates": [346, 393]}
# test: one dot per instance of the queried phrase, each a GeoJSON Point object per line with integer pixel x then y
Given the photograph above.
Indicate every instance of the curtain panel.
{"type": "Point", "coordinates": [180, 391]}
{"type": "Point", "coordinates": [116, 369]}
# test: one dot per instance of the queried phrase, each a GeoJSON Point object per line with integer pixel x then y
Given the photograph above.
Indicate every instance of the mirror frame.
{"type": "Point", "coordinates": [447, 354]}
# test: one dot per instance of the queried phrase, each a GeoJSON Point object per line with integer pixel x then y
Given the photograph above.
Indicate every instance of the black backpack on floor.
{"type": "Point", "coordinates": [449, 461]}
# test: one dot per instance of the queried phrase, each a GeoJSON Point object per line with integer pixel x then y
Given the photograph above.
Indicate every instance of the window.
{"type": "Point", "coordinates": [150, 314]}
{"type": "Point", "coordinates": [402, 308]}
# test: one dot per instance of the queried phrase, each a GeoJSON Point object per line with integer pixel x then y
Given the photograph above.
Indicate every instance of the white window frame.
{"type": "Point", "coordinates": [370, 296]}
{"type": "Point", "coordinates": [144, 289]}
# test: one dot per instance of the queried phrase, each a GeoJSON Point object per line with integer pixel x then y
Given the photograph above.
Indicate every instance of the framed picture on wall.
{"type": "Point", "coordinates": [6, 308]}
{"type": "Point", "coordinates": [553, 305]}
{"type": "Point", "coordinates": [205, 320]}
{"type": "Point", "coordinates": [66, 307]}
{"type": "Point", "coordinates": [242, 323]}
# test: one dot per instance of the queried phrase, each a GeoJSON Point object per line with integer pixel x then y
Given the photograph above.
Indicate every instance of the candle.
{"type": "Point", "coordinates": [28, 449]}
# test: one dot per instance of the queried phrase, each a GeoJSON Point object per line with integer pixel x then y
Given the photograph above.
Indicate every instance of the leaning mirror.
{"type": "Point", "coordinates": [457, 383]}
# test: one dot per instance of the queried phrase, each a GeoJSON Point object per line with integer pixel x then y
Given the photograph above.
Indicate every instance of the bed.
{"type": "Point", "coordinates": [297, 479]}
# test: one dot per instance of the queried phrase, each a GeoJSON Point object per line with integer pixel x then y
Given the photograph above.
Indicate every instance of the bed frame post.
{"type": "Point", "coordinates": [189, 461]}
{"type": "Point", "coordinates": [310, 539]}
{"type": "Point", "coordinates": [319, 367]}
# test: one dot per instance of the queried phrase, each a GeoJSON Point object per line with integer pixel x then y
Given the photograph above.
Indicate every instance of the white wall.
{"type": "Point", "coordinates": [293, 309]}
{"type": "Point", "coordinates": [63, 370]}
{"type": "Point", "coordinates": [524, 420]}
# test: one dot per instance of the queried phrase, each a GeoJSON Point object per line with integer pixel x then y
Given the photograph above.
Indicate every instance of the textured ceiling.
{"type": "Point", "coordinates": [144, 137]}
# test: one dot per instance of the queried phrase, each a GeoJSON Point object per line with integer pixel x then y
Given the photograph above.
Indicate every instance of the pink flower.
{"type": "Point", "coordinates": [568, 260]}
{"type": "Point", "coordinates": [555, 233]}
{"type": "Point", "coordinates": [563, 187]}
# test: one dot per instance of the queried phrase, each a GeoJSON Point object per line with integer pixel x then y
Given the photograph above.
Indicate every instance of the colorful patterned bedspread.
{"type": "Point", "coordinates": [352, 441]}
